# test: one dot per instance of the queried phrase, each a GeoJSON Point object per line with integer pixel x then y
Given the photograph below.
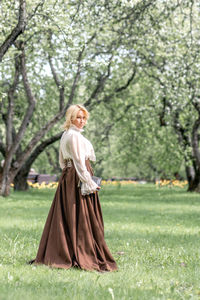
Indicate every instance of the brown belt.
{"type": "Point", "coordinates": [68, 162]}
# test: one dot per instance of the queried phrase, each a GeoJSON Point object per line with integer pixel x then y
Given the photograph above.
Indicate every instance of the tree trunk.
{"type": "Point", "coordinates": [193, 177]}
{"type": "Point", "coordinates": [5, 184]}
{"type": "Point", "coordinates": [20, 181]}
{"type": "Point", "coordinates": [7, 177]}
{"type": "Point", "coordinates": [190, 173]}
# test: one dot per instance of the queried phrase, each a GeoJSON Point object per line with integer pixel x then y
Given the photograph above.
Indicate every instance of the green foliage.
{"type": "Point", "coordinates": [173, 63]}
{"type": "Point", "coordinates": [158, 40]}
{"type": "Point", "coordinates": [152, 233]}
{"type": "Point", "coordinates": [131, 142]}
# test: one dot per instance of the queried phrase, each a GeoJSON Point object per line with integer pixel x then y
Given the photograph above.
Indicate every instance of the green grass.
{"type": "Point", "coordinates": [156, 228]}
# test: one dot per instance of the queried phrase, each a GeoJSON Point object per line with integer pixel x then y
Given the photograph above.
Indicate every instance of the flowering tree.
{"type": "Point", "coordinates": [174, 66]}
{"type": "Point", "coordinates": [69, 51]}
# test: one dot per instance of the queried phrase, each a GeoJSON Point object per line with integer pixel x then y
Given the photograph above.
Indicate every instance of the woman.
{"type": "Point", "coordinates": [74, 232]}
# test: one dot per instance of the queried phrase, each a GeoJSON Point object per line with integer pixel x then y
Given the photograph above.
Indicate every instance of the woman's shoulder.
{"type": "Point", "coordinates": [70, 132]}
{"type": "Point", "coordinates": [73, 136]}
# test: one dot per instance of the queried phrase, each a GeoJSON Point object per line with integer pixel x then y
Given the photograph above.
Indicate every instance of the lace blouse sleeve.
{"type": "Point", "coordinates": [61, 159]}
{"type": "Point", "coordinates": [77, 149]}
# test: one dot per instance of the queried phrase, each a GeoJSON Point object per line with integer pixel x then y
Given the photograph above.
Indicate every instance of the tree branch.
{"type": "Point", "coordinates": [31, 101]}
{"type": "Point", "coordinates": [100, 84]}
{"type": "Point", "coordinates": [40, 4]}
{"type": "Point", "coordinates": [183, 138]}
{"type": "Point", "coordinates": [39, 149]}
{"type": "Point", "coordinates": [58, 83]}
{"type": "Point", "coordinates": [130, 79]}
{"type": "Point", "coordinates": [54, 163]}
{"type": "Point", "coordinates": [166, 104]}
{"type": "Point", "coordinates": [116, 91]}
{"type": "Point", "coordinates": [9, 117]}
{"type": "Point", "coordinates": [74, 85]}
{"type": "Point", "coordinates": [57, 117]}
{"type": "Point", "coordinates": [19, 29]}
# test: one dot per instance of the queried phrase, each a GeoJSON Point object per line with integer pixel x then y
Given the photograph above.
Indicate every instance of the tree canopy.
{"type": "Point", "coordinates": [128, 62]}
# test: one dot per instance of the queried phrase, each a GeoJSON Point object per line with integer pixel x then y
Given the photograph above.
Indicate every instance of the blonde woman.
{"type": "Point", "coordinates": [73, 235]}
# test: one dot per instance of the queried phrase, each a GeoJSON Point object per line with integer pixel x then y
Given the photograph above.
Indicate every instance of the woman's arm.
{"type": "Point", "coordinates": [61, 159]}
{"type": "Point", "coordinates": [77, 149]}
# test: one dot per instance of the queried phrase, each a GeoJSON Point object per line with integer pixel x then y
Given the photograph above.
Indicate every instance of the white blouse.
{"type": "Point", "coordinates": [75, 146]}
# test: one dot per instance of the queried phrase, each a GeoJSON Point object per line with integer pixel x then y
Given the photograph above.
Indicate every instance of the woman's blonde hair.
{"type": "Point", "coordinates": [71, 114]}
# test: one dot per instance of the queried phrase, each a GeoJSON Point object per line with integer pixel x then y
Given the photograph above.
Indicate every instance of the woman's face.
{"type": "Point", "coordinates": [80, 120]}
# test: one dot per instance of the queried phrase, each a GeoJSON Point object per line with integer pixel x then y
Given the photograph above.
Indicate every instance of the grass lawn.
{"type": "Point", "coordinates": [155, 229]}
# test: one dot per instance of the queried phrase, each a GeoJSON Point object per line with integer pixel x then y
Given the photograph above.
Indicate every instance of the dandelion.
{"type": "Point", "coordinates": [110, 290]}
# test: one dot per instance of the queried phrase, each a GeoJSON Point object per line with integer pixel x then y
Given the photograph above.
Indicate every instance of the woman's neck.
{"type": "Point", "coordinates": [72, 126]}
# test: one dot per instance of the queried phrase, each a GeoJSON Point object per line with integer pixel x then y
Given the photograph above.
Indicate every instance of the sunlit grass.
{"type": "Point", "coordinates": [152, 232]}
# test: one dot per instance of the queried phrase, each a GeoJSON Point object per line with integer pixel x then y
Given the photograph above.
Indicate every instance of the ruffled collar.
{"type": "Point", "coordinates": [74, 127]}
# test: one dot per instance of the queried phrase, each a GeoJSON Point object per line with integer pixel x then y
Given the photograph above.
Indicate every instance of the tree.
{"type": "Point", "coordinates": [85, 51]}
{"type": "Point", "coordinates": [128, 139]}
{"type": "Point", "coordinates": [174, 66]}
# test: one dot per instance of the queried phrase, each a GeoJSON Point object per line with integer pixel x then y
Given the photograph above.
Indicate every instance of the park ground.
{"type": "Point", "coordinates": [153, 233]}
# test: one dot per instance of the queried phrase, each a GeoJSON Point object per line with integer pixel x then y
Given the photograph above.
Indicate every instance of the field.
{"type": "Point", "coordinates": [153, 233]}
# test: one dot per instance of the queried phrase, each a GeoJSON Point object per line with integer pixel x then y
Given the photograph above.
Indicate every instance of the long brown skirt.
{"type": "Point", "coordinates": [73, 235]}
